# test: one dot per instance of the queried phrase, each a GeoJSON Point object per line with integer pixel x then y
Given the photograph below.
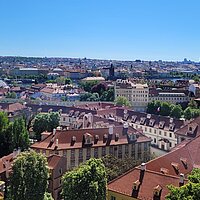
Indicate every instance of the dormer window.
{"type": "Point", "coordinates": [136, 185]}
{"type": "Point", "coordinates": [161, 124]}
{"type": "Point", "coordinates": [73, 138]}
{"type": "Point", "coordinates": [134, 117]}
{"type": "Point", "coordinates": [171, 127]}
{"type": "Point", "coordinates": [116, 137]}
{"type": "Point", "coordinates": [88, 138]}
{"type": "Point", "coordinates": [105, 137]}
{"type": "Point", "coordinates": [184, 161]}
{"type": "Point", "coordinates": [151, 122]}
{"type": "Point", "coordinates": [190, 128]}
{"type": "Point", "coordinates": [175, 166]}
{"type": "Point", "coordinates": [157, 191]}
{"type": "Point", "coordinates": [132, 137]}
{"type": "Point", "coordinates": [96, 139]}
{"type": "Point", "coordinates": [142, 120]}
{"type": "Point", "coordinates": [164, 170]}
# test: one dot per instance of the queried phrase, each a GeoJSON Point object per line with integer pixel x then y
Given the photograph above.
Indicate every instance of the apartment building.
{"type": "Point", "coordinates": [160, 129]}
{"type": "Point", "coordinates": [171, 96]}
{"type": "Point", "coordinates": [150, 180]}
{"type": "Point", "coordinates": [137, 94]}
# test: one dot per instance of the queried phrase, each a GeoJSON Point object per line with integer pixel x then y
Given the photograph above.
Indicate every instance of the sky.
{"type": "Point", "coordinates": [102, 29]}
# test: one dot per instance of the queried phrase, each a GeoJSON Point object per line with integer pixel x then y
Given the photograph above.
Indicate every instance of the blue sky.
{"type": "Point", "coordinates": [109, 29]}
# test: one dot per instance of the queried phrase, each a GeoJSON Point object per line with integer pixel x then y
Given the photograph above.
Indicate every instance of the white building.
{"type": "Point", "coordinates": [137, 94]}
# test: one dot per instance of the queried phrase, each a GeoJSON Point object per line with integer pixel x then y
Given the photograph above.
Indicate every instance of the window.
{"type": "Point", "coordinates": [80, 157]}
{"type": "Point", "coordinates": [165, 133]}
{"type": "Point", "coordinates": [88, 153]}
{"type": "Point", "coordinates": [111, 150]}
{"type": "Point", "coordinates": [159, 132]}
{"type": "Point", "coordinates": [133, 150]}
{"type": "Point", "coordinates": [120, 152]}
{"type": "Point", "coordinates": [60, 170]}
{"type": "Point", "coordinates": [145, 146]}
{"type": "Point", "coordinates": [64, 119]}
{"type": "Point", "coordinates": [170, 144]}
{"type": "Point", "coordinates": [96, 152]}
{"type": "Point", "coordinates": [154, 140]}
{"type": "Point", "coordinates": [126, 149]}
{"type": "Point", "coordinates": [170, 134]}
{"type": "Point", "coordinates": [112, 198]}
{"type": "Point", "coordinates": [103, 151]}
{"type": "Point", "coordinates": [155, 131]}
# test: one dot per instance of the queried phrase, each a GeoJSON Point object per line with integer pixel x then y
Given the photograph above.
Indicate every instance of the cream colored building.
{"type": "Point", "coordinates": [81, 145]}
{"type": "Point", "coordinates": [137, 94]}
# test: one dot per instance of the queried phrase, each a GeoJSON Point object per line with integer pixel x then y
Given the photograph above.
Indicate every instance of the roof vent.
{"type": "Point", "coordinates": [181, 180]}
{"type": "Point", "coordinates": [143, 166]}
{"type": "Point", "coordinates": [148, 116]}
{"type": "Point", "coordinates": [54, 131]}
{"type": "Point", "coordinates": [184, 161]}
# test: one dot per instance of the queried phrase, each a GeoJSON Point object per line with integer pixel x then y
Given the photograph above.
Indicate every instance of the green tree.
{"type": "Point", "coordinates": [116, 167]}
{"type": "Point", "coordinates": [165, 109]}
{"type": "Point", "coordinates": [29, 177]}
{"type": "Point", "coordinates": [86, 182]}
{"type": "Point", "coordinates": [45, 122]}
{"type": "Point", "coordinates": [40, 124]}
{"type": "Point", "coordinates": [176, 111]}
{"type": "Point", "coordinates": [87, 85]}
{"type": "Point", "coordinates": [122, 101]}
{"type": "Point", "coordinates": [47, 196]}
{"type": "Point", "coordinates": [53, 121]}
{"type": "Point", "coordinates": [11, 95]}
{"type": "Point", "coordinates": [20, 134]}
{"type": "Point", "coordinates": [188, 191]}
{"type": "Point", "coordinates": [188, 113]}
{"type": "Point", "coordinates": [68, 81]}
{"type": "Point", "coordinates": [193, 104]}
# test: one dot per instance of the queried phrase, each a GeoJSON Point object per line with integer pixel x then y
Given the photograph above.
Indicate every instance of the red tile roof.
{"type": "Point", "coordinates": [182, 159]}
{"type": "Point", "coordinates": [65, 138]}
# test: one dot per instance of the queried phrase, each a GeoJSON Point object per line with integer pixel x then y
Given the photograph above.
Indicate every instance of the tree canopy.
{"type": "Point", "coordinates": [122, 101]}
{"type": "Point", "coordinates": [30, 177]}
{"type": "Point", "coordinates": [12, 134]}
{"type": "Point", "coordinates": [189, 191]}
{"type": "Point", "coordinates": [88, 181]}
{"type": "Point", "coordinates": [45, 122]}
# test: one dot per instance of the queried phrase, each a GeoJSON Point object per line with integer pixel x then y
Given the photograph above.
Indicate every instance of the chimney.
{"type": "Point", "coordinates": [181, 180]}
{"type": "Point", "coordinates": [56, 142]}
{"type": "Point", "coordinates": [110, 130]}
{"type": "Point", "coordinates": [143, 166]}
{"type": "Point", "coordinates": [125, 129]}
{"type": "Point", "coordinates": [54, 131]}
{"type": "Point", "coordinates": [14, 153]}
{"type": "Point", "coordinates": [18, 151]}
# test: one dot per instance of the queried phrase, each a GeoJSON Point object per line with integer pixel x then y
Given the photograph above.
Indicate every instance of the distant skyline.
{"type": "Point", "coordinates": [105, 29]}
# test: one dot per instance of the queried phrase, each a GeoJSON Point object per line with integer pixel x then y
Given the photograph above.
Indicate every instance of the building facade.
{"type": "Point", "coordinates": [137, 94]}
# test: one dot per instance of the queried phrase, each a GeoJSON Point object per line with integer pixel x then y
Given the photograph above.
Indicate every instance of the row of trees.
{"type": "Point", "coordinates": [164, 109]}
{"type": "Point", "coordinates": [45, 122]}
{"type": "Point", "coordinates": [13, 135]}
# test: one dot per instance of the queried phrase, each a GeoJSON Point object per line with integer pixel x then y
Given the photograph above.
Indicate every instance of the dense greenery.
{"type": "Point", "coordinates": [12, 135]}
{"type": "Point", "coordinates": [11, 95]}
{"type": "Point", "coordinates": [88, 181]}
{"type": "Point", "coordinates": [115, 166]}
{"type": "Point", "coordinates": [164, 109]}
{"type": "Point", "coordinates": [96, 91]}
{"type": "Point", "coordinates": [45, 122]}
{"type": "Point", "coordinates": [187, 191]}
{"type": "Point", "coordinates": [122, 101]}
{"type": "Point", "coordinates": [30, 177]}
